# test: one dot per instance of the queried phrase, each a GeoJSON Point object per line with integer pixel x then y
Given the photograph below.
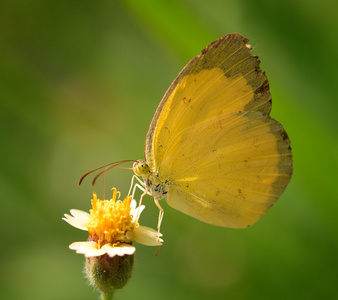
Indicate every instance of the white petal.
{"type": "Point", "coordinates": [87, 248]}
{"type": "Point", "coordinates": [83, 246]}
{"type": "Point", "coordinates": [126, 249]}
{"type": "Point", "coordinates": [136, 212]}
{"type": "Point", "coordinates": [133, 204]}
{"type": "Point", "coordinates": [78, 220]}
{"type": "Point", "coordinates": [145, 236]}
{"type": "Point", "coordinates": [120, 250]}
{"type": "Point", "coordinates": [96, 252]}
{"type": "Point", "coordinates": [80, 214]}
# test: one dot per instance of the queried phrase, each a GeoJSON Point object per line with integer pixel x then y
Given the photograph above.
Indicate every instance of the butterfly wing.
{"type": "Point", "coordinates": [224, 159]}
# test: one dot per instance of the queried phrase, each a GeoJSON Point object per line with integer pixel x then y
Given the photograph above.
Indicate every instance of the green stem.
{"type": "Point", "coordinates": [107, 296]}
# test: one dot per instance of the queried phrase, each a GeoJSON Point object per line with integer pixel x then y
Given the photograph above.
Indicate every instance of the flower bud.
{"type": "Point", "coordinates": [107, 273]}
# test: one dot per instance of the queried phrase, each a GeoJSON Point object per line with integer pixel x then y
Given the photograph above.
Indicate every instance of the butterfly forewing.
{"type": "Point", "coordinates": [224, 159]}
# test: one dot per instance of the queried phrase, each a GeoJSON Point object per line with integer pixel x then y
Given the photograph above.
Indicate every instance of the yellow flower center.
{"type": "Point", "coordinates": [109, 220]}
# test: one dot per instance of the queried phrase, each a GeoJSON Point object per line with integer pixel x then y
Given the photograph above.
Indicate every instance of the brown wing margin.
{"type": "Point", "coordinates": [228, 44]}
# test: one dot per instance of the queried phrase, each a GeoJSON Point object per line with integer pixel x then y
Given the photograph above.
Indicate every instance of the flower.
{"type": "Point", "coordinates": [112, 226]}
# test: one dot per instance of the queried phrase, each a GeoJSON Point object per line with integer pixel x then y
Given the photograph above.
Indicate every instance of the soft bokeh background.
{"type": "Point", "coordinates": [79, 84]}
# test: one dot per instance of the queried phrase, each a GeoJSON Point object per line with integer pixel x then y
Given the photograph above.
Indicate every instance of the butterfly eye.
{"type": "Point", "coordinates": [140, 167]}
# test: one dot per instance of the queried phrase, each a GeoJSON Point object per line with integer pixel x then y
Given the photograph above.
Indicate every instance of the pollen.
{"type": "Point", "coordinates": [109, 220]}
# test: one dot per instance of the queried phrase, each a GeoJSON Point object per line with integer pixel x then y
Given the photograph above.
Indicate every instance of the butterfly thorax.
{"type": "Point", "coordinates": [157, 188]}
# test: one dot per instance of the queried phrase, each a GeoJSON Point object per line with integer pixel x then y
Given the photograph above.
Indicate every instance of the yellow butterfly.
{"type": "Point", "coordinates": [212, 150]}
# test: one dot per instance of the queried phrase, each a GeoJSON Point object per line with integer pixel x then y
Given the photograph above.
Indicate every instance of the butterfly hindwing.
{"type": "Point", "coordinates": [226, 161]}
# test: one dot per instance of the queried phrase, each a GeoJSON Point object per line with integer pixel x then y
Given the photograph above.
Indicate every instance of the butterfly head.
{"type": "Point", "coordinates": [140, 167]}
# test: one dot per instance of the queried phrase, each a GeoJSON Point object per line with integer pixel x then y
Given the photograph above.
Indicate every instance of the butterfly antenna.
{"type": "Point", "coordinates": [103, 183]}
{"type": "Point", "coordinates": [104, 173]}
{"type": "Point", "coordinates": [108, 166]}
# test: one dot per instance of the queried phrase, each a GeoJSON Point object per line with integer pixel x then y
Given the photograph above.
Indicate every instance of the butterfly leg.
{"type": "Point", "coordinates": [132, 184]}
{"type": "Point", "coordinates": [141, 186]}
{"type": "Point", "coordinates": [160, 217]}
{"type": "Point", "coordinates": [143, 189]}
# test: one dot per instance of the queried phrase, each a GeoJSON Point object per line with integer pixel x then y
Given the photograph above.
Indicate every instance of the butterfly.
{"type": "Point", "coordinates": [212, 151]}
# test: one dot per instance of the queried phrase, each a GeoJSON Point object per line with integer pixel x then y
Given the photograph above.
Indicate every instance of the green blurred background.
{"type": "Point", "coordinates": [79, 84]}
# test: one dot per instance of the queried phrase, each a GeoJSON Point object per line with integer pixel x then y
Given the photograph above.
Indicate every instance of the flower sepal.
{"type": "Point", "coordinates": [107, 273]}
